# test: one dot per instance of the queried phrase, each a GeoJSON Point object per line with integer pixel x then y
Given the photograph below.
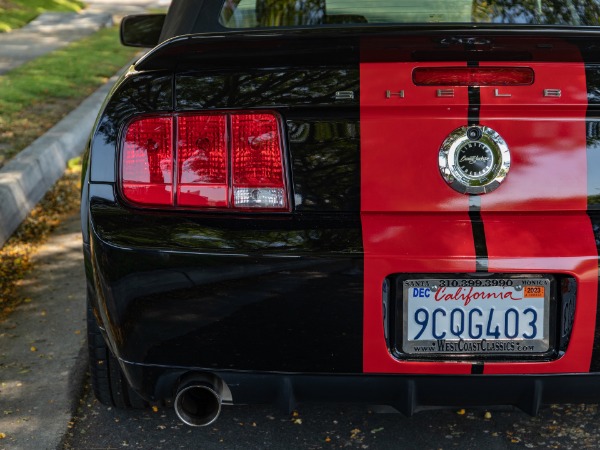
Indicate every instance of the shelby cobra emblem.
{"type": "Point", "coordinates": [474, 160]}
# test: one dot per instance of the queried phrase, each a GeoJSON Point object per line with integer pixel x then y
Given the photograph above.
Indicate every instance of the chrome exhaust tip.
{"type": "Point", "coordinates": [198, 403]}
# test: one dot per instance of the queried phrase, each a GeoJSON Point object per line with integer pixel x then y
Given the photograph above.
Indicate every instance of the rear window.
{"type": "Point", "coordinates": [302, 13]}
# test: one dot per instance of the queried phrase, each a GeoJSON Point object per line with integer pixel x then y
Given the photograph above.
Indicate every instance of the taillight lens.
{"type": "Point", "coordinates": [257, 165]}
{"type": "Point", "coordinates": [223, 161]}
{"type": "Point", "coordinates": [147, 164]}
{"type": "Point", "coordinates": [473, 76]}
{"type": "Point", "coordinates": [202, 161]}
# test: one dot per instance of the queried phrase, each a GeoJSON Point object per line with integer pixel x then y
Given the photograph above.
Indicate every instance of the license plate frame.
{"type": "Point", "coordinates": [453, 347]}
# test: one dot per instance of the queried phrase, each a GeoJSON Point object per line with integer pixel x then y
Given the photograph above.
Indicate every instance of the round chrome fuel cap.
{"type": "Point", "coordinates": [474, 160]}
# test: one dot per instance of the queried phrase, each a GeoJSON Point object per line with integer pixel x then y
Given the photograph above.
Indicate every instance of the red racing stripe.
{"type": "Point", "coordinates": [536, 221]}
{"type": "Point", "coordinates": [411, 220]}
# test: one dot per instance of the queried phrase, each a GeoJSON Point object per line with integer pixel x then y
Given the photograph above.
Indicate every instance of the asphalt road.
{"type": "Point", "coordinates": [327, 427]}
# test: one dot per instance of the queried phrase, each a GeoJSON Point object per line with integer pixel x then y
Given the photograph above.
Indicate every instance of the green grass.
{"type": "Point", "coordinates": [16, 13]}
{"type": "Point", "coordinates": [38, 94]}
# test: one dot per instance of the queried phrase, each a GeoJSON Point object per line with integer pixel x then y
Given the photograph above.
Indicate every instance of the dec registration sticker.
{"type": "Point", "coordinates": [476, 316]}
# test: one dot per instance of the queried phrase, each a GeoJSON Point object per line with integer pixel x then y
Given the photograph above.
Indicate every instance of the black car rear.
{"type": "Point", "coordinates": [260, 185]}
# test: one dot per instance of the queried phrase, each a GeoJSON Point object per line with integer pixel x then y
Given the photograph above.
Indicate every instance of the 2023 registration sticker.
{"type": "Point", "coordinates": [476, 316]}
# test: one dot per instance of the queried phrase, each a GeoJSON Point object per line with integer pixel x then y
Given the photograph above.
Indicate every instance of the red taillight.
{"type": "Point", "coordinates": [257, 167]}
{"type": "Point", "coordinates": [147, 175]}
{"type": "Point", "coordinates": [221, 160]}
{"type": "Point", "coordinates": [202, 161]}
{"type": "Point", "coordinates": [473, 76]}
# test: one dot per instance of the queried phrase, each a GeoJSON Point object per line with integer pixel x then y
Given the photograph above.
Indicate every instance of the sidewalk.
{"type": "Point", "coordinates": [42, 359]}
{"type": "Point", "coordinates": [48, 32]}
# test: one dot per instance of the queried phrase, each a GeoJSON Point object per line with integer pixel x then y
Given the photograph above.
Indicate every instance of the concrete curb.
{"type": "Point", "coordinates": [27, 177]}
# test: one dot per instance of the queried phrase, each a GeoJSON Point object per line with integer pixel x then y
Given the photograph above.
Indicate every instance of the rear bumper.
{"type": "Point", "coordinates": [285, 296]}
{"type": "Point", "coordinates": [407, 393]}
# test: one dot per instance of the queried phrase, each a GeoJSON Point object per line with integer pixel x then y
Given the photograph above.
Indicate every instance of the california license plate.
{"type": "Point", "coordinates": [474, 316]}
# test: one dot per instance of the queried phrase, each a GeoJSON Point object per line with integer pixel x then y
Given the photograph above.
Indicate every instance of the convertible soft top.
{"type": "Point", "coordinates": [184, 17]}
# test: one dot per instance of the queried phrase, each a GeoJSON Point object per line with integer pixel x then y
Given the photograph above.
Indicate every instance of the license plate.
{"type": "Point", "coordinates": [474, 316]}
